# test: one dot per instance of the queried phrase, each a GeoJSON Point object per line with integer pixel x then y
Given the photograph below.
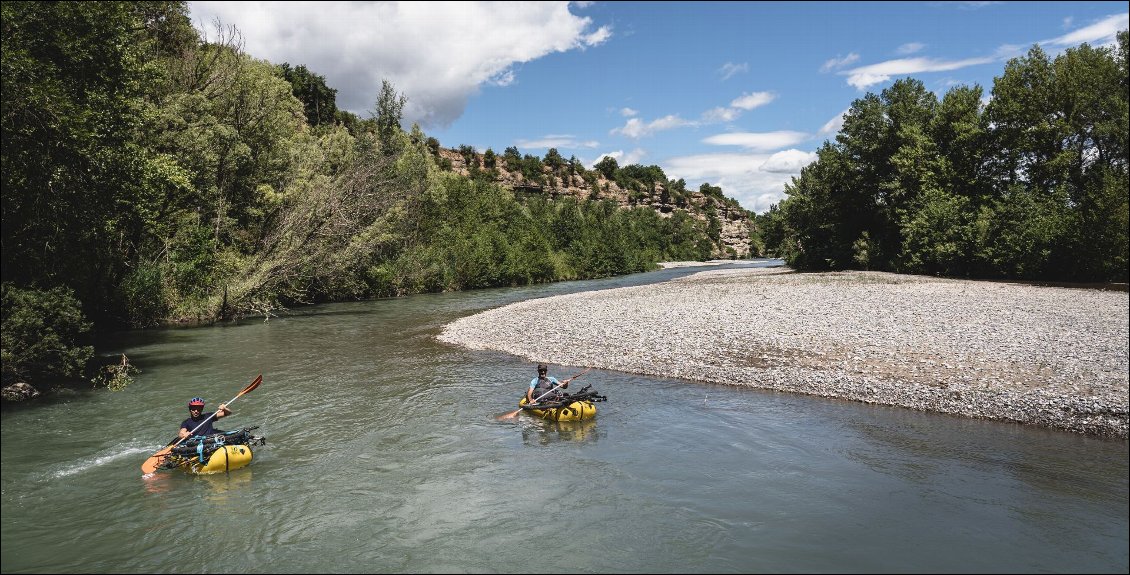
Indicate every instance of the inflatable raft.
{"type": "Point", "coordinates": [218, 453]}
{"type": "Point", "coordinates": [567, 407]}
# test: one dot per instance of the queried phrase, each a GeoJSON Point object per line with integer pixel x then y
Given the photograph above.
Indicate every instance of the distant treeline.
{"type": "Point", "coordinates": [1031, 185]}
{"type": "Point", "coordinates": [152, 177]}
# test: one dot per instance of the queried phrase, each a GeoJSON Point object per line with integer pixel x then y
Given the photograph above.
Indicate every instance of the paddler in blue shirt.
{"type": "Point", "coordinates": [544, 386]}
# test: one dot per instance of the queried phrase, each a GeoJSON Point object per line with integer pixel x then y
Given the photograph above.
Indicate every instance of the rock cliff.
{"type": "Point", "coordinates": [736, 225]}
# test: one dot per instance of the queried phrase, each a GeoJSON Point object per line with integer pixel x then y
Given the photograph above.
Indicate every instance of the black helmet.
{"type": "Point", "coordinates": [543, 368]}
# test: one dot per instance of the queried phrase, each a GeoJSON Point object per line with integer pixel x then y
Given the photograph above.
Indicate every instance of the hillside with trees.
{"type": "Point", "coordinates": [151, 177]}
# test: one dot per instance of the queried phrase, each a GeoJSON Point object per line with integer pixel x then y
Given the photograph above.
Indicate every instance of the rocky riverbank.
{"type": "Point", "coordinates": [1048, 356]}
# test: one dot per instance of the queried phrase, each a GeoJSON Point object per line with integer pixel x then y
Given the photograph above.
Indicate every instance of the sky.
{"type": "Point", "coordinates": [739, 95]}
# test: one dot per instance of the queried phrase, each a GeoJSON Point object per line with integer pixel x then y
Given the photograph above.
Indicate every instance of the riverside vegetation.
{"type": "Point", "coordinates": [152, 177]}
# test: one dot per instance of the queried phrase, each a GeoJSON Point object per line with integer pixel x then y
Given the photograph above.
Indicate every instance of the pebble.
{"type": "Point", "coordinates": [1048, 356]}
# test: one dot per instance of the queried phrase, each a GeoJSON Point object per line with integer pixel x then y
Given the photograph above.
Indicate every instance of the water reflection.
{"type": "Point", "coordinates": [543, 432]}
{"type": "Point", "coordinates": [224, 485]}
{"type": "Point", "coordinates": [157, 482]}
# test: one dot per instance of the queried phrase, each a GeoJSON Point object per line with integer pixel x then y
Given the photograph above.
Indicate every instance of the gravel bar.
{"type": "Point", "coordinates": [1048, 356]}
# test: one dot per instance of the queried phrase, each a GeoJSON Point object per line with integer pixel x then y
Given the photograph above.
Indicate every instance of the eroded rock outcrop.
{"type": "Point", "coordinates": [736, 224]}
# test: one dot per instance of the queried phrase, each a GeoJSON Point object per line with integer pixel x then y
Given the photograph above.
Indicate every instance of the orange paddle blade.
{"type": "Point", "coordinates": [155, 460]}
{"type": "Point", "coordinates": [254, 384]}
{"type": "Point", "coordinates": [508, 415]}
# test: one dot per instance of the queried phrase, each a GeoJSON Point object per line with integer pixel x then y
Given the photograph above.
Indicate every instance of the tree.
{"type": "Point", "coordinates": [960, 136]}
{"type": "Point", "coordinates": [1060, 131]}
{"type": "Point", "coordinates": [42, 333]}
{"type": "Point", "coordinates": [73, 77]}
{"type": "Point", "coordinates": [608, 167]}
{"type": "Point", "coordinates": [319, 102]}
{"type": "Point", "coordinates": [553, 159]}
{"type": "Point", "coordinates": [470, 157]}
{"type": "Point", "coordinates": [390, 106]}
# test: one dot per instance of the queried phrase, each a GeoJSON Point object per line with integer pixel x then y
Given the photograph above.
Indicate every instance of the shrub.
{"type": "Point", "coordinates": [40, 332]}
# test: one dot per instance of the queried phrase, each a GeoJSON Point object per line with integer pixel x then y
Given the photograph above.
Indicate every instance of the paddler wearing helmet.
{"type": "Point", "coordinates": [200, 423]}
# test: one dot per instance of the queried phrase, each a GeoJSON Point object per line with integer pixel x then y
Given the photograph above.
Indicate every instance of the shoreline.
{"type": "Point", "coordinates": [1047, 356]}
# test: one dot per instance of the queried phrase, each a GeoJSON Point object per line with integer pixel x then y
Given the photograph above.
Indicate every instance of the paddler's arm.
{"type": "Point", "coordinates": [222, 411]}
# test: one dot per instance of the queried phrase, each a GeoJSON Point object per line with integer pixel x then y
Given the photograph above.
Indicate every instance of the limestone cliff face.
{"type": "Point", "coordinates": [736, 224]}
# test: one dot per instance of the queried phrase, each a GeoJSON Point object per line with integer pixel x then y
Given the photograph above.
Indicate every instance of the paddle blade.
{"type": "Point", "coordinates": [508, 415]}
{"type": "Point", "coordinates": [254, 384]}
{"type": "Point", "coordinates": [155, 460]}
{"type": "Point", "coordinates": [580, 374]}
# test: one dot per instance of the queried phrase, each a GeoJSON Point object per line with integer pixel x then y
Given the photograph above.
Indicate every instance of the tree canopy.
{"type": "Point", "coordinates": [1031, 185]}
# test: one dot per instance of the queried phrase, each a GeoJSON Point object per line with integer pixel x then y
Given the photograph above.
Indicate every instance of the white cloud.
{"type": "Point", "coordinates": [974, 5]}
{"type": "Point", "coordinates": [865, 76]}
{"type": "Point", "coordinates": [729, 69]}
{"type": "Point", "coordinates": [737, 107]}
{"type": "Point", "coordinates": [1101, 33]}
{"type": "Point", "coordinates": [837, 62]}
{"type": "Point", "coordinates": [437, 54]}
{"type": "Point", "coordinates": [755, 180]}
{"type": "Point", "coordinates": [622, 159]}
{"type": "Point", "coordinates": [741, 176]}
{"type": "Point", "coordinates": [715, 115]}
{"type": "Point", "coordinates": [636, 128]}
{"type": "Point", "coordinates": [561, 142]}
{"type": "Point", "coordinates": [754, 100]}
{"type": "Point", "coordinates": [788, 162]}
{"type": "Point", "coordinates": [628, 112]}
{"type": "Point", "coordinates": [910, 48]}
{"type": "Point", "coordinates": [758, 141]}
{"type": "Point", "coordinates": [834, 125]}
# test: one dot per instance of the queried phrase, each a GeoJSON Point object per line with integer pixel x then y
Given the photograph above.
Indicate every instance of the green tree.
{"type": "Point", "coordinates": [554, 160]}
{"type": "Point", "coordinates": [319, 101]}
{"type": "Point", "coordinates": [42, 335]}
{"type": "Point", "coordinates": [73, 76]}
{"type": "Point", "coordinates": [608, 167]}
{"type": "Point", "coordinates": [390, 106]}
{"type": "Point", "coordinates": [470, 157]}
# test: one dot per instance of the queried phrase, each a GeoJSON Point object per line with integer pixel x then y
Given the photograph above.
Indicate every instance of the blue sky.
{"type": "Point", "coordinates": [737, 94]}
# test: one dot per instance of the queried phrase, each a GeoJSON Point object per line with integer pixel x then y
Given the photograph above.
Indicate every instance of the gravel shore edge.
{"type": "Point", "coordinates": [1049, 356]}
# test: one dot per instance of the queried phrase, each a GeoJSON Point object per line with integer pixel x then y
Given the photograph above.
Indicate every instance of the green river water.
{"type": "Point", "coordinates": [383, 455]}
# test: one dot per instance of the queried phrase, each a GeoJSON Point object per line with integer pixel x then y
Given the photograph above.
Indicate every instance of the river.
{"type": "Point", "coordinates": [384, 455]}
